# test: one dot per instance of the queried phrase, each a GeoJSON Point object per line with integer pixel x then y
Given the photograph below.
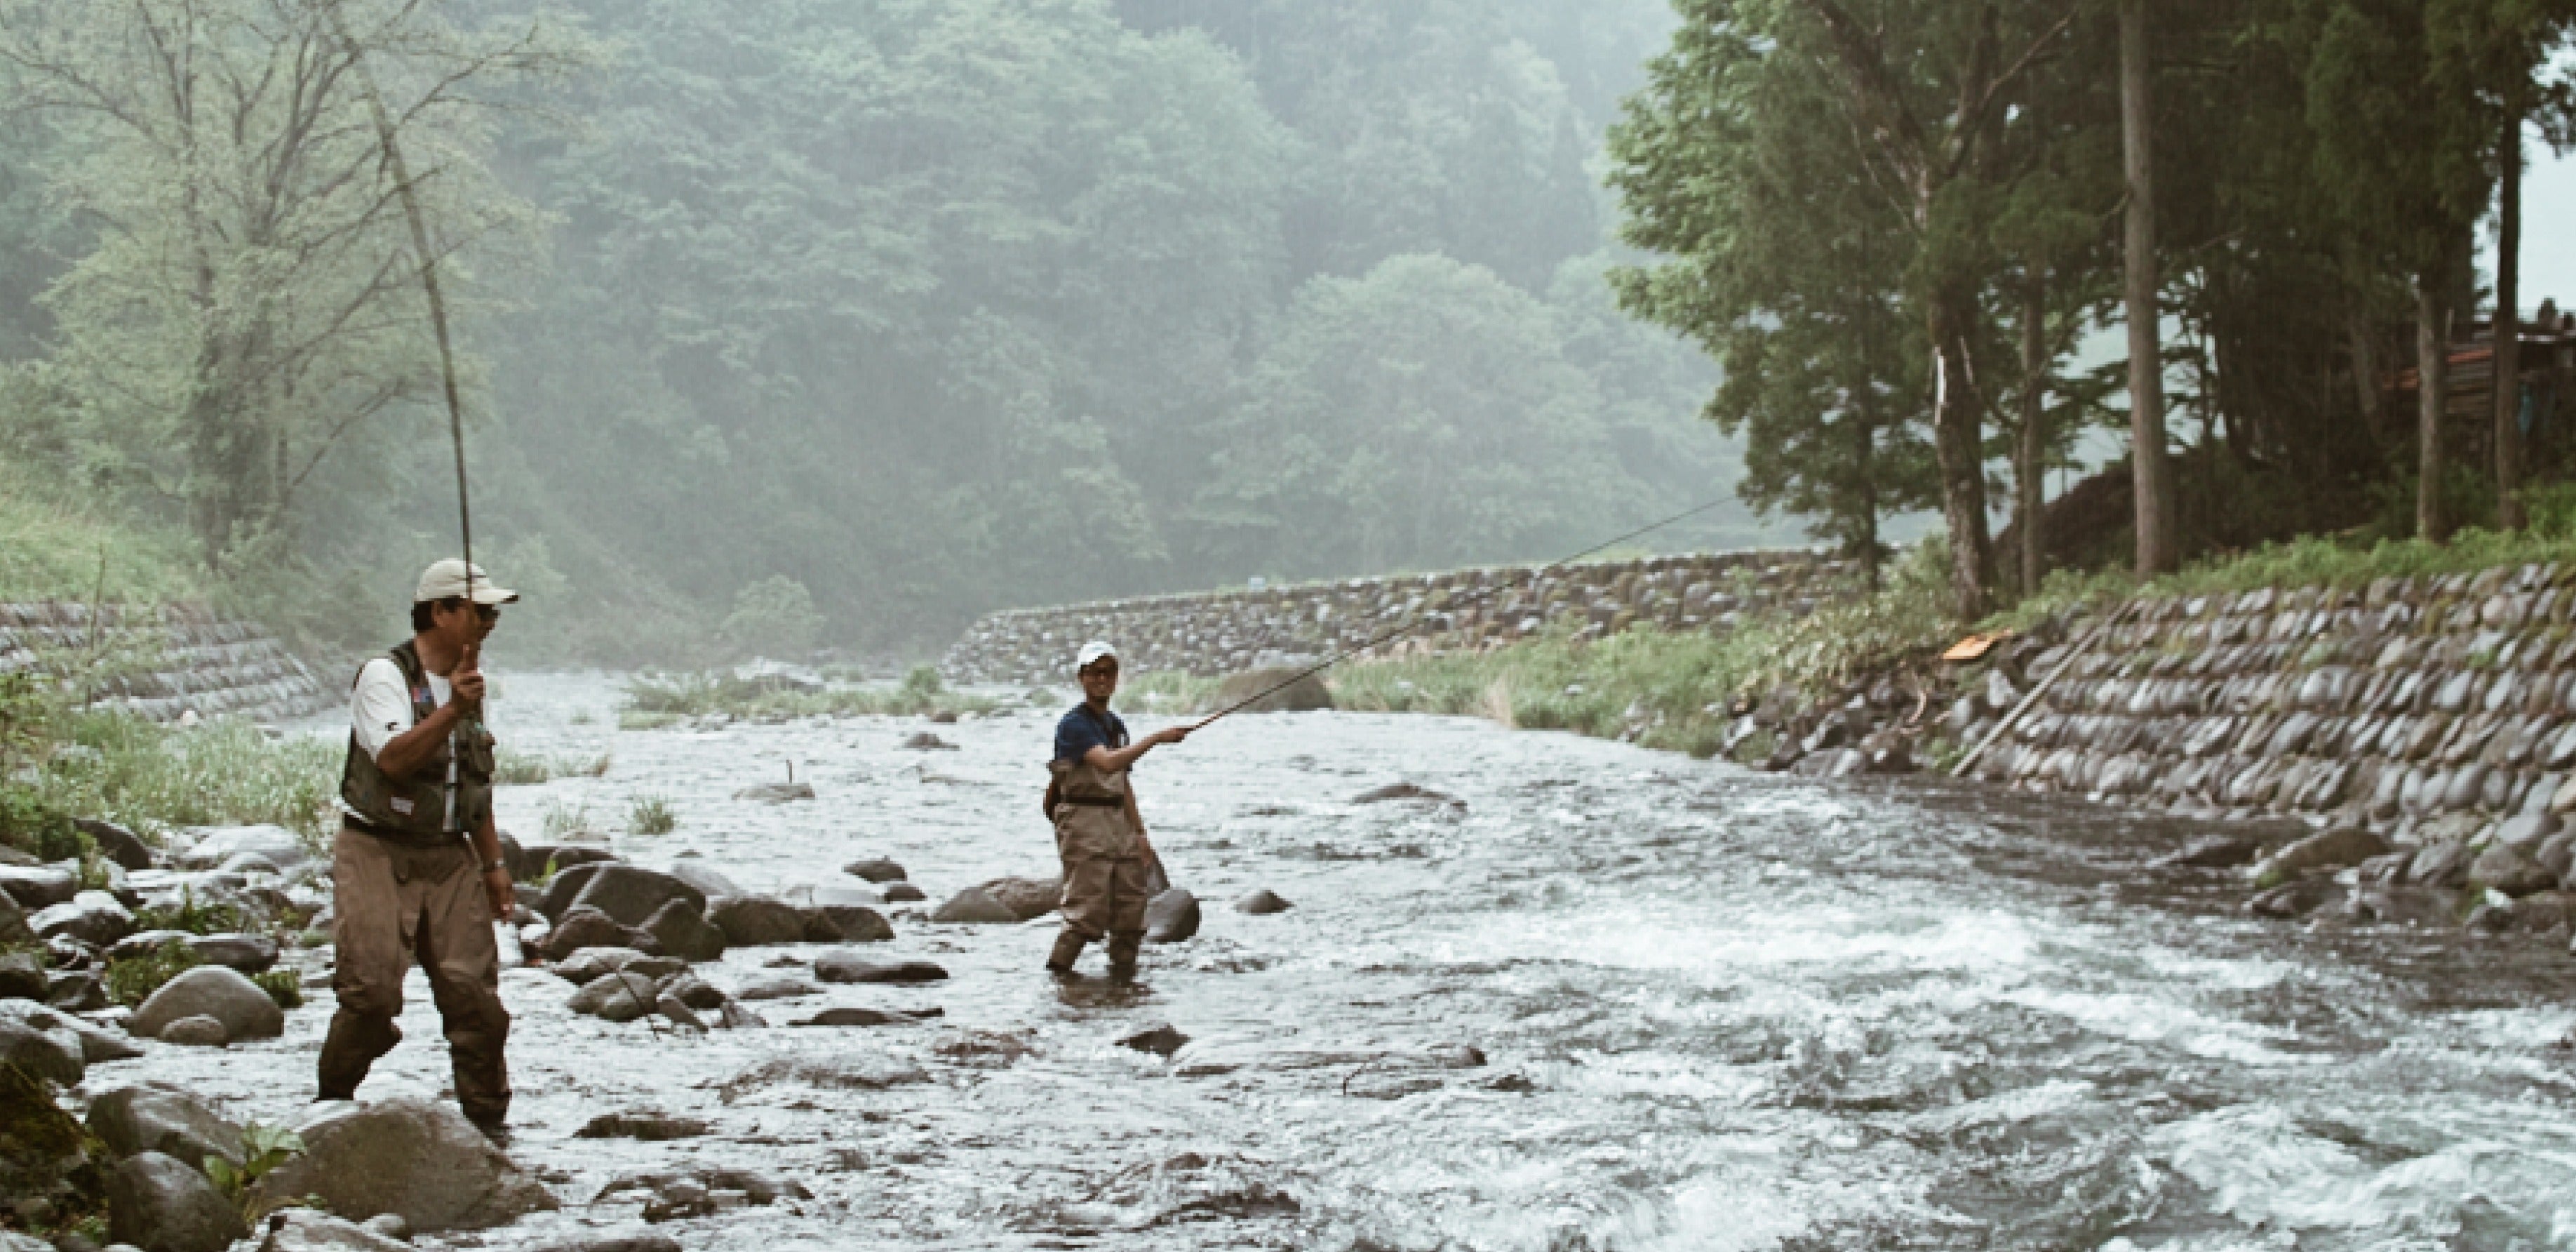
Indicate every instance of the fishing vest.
{"type": "Point", "coordinates": [450, 795]}
{"type": "Point", "coordinates": [1091, 809]}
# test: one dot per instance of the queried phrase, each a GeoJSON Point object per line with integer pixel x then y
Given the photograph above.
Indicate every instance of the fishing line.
{"type": "Point", "coordinates": [401, 174]}
{"type": "Point", "coordinates": [1407, 628]}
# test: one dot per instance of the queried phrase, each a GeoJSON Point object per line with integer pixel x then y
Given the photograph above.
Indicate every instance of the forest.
{"type": "Point", "coordinates": [837, 322]}
{"type": "Point", "coordinates": [802, 322]}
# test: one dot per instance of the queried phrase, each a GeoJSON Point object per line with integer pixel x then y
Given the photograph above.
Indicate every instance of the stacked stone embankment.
{"type": "Point", "coordinates": [1216, 633]}
{"type": "Point", "coordinates": [159, 662]}
{"type": "Point", "coordinates": [2430, 721]}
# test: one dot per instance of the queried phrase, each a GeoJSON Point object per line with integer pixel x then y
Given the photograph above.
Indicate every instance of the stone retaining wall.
{"type": "Point", "coordinates": [160, 662]}
{"type": "Point", "coordinates": [2433, 711]}
{"type": "Point", "coordinates": [1215, 633]}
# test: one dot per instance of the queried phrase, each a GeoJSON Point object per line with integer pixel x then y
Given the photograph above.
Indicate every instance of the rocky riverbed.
{"type": "Point", "coordinates": [1527, 991]}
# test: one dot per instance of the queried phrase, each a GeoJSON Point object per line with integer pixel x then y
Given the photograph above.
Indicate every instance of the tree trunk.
{"type": "Point", "coordinates": [2030, 464]}
{"type": "Point", "coordinates": [1865, 436]}
{"type": "Point", "coordinates": [2432, 392]}
{"type": "Point", "coordinates": [2507, 389]}
{"type": "Point", "coordinates": [1960, 451]}
{"type": "Point", "coordinates": [2151, 479]}
{"type": "Point", "coordinates": [2364, 344]}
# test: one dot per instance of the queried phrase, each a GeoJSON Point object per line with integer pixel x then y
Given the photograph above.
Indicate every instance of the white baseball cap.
{"type": "Point", "coordinates": [446, 580]}
{"type": "Point", "coordinates": [1091, 652]}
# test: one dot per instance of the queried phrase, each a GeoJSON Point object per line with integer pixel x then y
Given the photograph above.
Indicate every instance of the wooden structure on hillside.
{"type": "Point", "coordinates": [2548, 370]}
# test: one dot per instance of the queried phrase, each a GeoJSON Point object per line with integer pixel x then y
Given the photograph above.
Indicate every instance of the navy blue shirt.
{"type": "Point", "coordinates": [1081, 731]}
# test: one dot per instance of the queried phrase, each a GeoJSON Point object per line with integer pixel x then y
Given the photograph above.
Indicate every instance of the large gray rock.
{"type": "Point", "coordinates": [631, 894]}
{"type": "Point", "coordinates": [975, 907]}
{"type": "Point", "coordinates": [38, 886]}
{"type": "Point", "coordinates": [564, 887]}
{"type": "Point", "coordinates": [842, 913]}
{"type": "Point", "coordinates": [1171, 917]}
{"type": "Point", "coordinates": [303, 1230]}
{"type": "Point", "coordinates": [91, 917]}
{"type": "Point", "coordinates": [22, 976]}
{"type": "Point", "coordinates": [683, 931]}
{"type": "Point", "coordinates": [163, 1118]}
{"type": "Point", "coordinates": [2503, 867]}
{"type": "Point", "coordinates": [46, 1053]}
{"type": "Point", "coordinates": [418, 1159]}
{"type": "Point", "coordinates": [1026, 898]}
{"type": "Point", "coordinates": [585, 928]}
{"type": "Point", "coordinates": [14, 929]}
{"type": "Point", "coordinates": [850, 967]}
{"type": "Point", "coordinates": [617, 997]}
{"type": "Point", "coordinates": [251, 954]}
{"type": "Point", "coordinates": [756, 921]}
{"type": "Point", "coordinates": [162, 1204]}
{"type": "Point", "coordinates": [533, 861]}
{"type": "Point", "coordinates": [587, 965]}
{"type": "Point", "coordinates": [117, 844]}
{"type": "Point", "coordinates": [709, 883]}
{"type": "Point", "coordinates": [2332, 849]}
{"type": "Point", "coordinates": [217, 844]}
{"type": "Point", "coordinates": [97, 1046]}
{"type": "Point", "coordinates": [216, 992]}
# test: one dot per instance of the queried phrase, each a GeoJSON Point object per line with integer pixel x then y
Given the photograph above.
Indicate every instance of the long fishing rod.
{"type": "Point", "coordinates": [400, 171]}
{"type": "Point", "coordinates": [1407, 628]}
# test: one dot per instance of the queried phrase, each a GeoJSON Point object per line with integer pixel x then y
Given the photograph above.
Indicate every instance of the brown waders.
{"type": "Point", "coordinates": [396, 903]}
{"type": "Point", "coordinates": [1104, 867]}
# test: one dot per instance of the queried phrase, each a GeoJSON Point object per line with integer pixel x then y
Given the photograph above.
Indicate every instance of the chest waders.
{"type": "Point", "coordinates": [1104, 865]}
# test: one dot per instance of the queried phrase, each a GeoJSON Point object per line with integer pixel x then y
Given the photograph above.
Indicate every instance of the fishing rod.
{"type": "Point", "coordinates": [1406, 628]}
{"type": "Point", "coordinates": [400, 172]}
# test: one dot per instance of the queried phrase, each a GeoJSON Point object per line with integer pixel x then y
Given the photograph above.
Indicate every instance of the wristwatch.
{"type": "Point", "coordinates": [489, 866]}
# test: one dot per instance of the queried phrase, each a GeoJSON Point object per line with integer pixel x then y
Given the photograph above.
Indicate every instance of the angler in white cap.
{"type": "Point", "coordinates": [417, 866]}
{"type": "Point", "coordinates": [1099, 832]}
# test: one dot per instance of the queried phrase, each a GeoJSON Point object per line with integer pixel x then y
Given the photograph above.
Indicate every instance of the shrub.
{"type": "Point", "coordinates": [217, 918]}
{"type": "Point", "coordinates": [651, 815]}
{"type": "Point", "coordinates": [133, 980]}
{"type": "Point", "coordinates": [283, 986]}
{"type": "Point", "coordinates": [773, 617]}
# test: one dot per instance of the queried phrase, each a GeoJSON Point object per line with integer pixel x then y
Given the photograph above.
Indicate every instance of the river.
{"type": "Point", "coordinates": [1718, 1010]}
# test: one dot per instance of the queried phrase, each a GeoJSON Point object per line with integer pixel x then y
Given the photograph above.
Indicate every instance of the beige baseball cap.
{"type": "Point", "coordinates": [446, 580]}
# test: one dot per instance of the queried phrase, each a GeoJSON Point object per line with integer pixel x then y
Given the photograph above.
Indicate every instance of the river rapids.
{"type": "Point", "coordinates": [1717, 1010]}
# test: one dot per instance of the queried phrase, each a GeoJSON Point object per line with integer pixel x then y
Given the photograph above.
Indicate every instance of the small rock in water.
{"type": "Point", "coordinates": [928, 742]}
{"type": "Point", "coordinates": [683, 931]}
{"type": "Point", "coordinates": [2296, 898]}
{"type": "Point", "coordinates": [850, 967]}
{"type": "Point", "coordinates": [582, 929]}
{"type": "Point", "coordinates": [388, 1225]}
{"type": "Point", "coordinates": [756, 921]}
{"type": "Point", "coordinates": [851, 1016]}
{"type": "Point", "coordinates": [1262, 903]}
{"type": "Point", "coordinates": [612, 1243]}
{"type": "Point", "coordinates": [696, 992]}
{"type": "Point", "coordinates": [214, 991]}
{"type": "Point", "coordinates": [1406, 791]}
{"type": "Point", "coordinates": [776, 793]}
{"type": "Point", "coordinates": [713, 885]}
{"type": "Point", "coordinates": [875, 869]}
{"type": "Point", "coordinates": [737, 1017]}
{"type": "Point", "coordinates": [1162, 1040]}
{"type": "Point", "coordinates": [975, 907]}
{"type": "Point", "coordinates": [679, 1014]}
{"type": "Point", "coordinates": [777, 989]}
{"type": "Point", "coordinates": [903, 893]}
{"type": "Point", "coordinates": [303, 1230]}
{"type": "Point", "coordinates": [1171, 917]}
{"type": "Point", "coordinates": [587, 965]}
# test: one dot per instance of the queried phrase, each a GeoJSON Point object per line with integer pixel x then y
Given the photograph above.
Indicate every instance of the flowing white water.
{"type": "Point", "coordinates": [1720, 1010]}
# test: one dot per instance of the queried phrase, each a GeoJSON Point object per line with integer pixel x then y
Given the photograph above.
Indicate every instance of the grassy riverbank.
{"type": "Point", "coordinates": [653, 702]}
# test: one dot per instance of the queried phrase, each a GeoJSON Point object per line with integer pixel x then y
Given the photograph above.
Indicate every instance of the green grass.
{"type": "Point", "coordinates": [59, 544]}
{"type": "Point", "coordinates": [1168, 691]}
{"type": "Point", "coordinates": [522, 769]}
{"type": "Point", "coordinates": [133, 980]}
{"type": "Point", "coordinates": [651, 815]}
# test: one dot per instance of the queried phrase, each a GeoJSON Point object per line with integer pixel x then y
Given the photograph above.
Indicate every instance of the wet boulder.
{"type": "Point", "coordinates": [117, 844]}
{"type": "Point", "coordinates": [250, 954]}
{"type": "Point", "coordinates": [1262, 903]}
{"type": "Point", "coordinates": [164, 1118]}
{"type": "Point", "coordinates": [612, 1243]}
{"type": "Point", "coordinates": [98, 1045]}
{"type": "Point", "coordinates": [14, 930]}
{"type": "Point", "coordinates": [1026, 898]}
{"type": "Point", "coordinates": [619, 996]}
{"type": "Point", "coordinates": [928, 742]}
{"type": "Point", "coordinates": [536, 860]}
{"type": "Point", "coordinates": [1406, 791]}
{"type": "Point", "coordinates": [776, 793]}
{"type": "Point", "coordinates": [217, 844]}
{"type": "Point", "coordinates": [564, 888]}
{"type": "Point", "coordinates": [710, 884]}
{"type": "Point", "coordinates": [648, 1126]}
{"type": "Point", "coordinates": [1160, 1040]}
{"type": "Point", "coordinates": [585, 928]}
{"type": "Point", "coordinates": [780, 988]}
{"type": "Point", "coordinates": [2331, 849]}
{"type": "Point", "coordinates": [903, 893]}
{"type": "Point", "coordinates": [841, 913]}
{"type": "Point", "coordinates": [630, 894]}
{"type": "Point", "coordinates": [696, 992]}
{"type": "Point", "coordinates": [875, 869]}
{"type": "Point", "coordinates": [2212, 852]}
{"type": "Point", "coordinates": [37, 887]}
{"type": "Point", "coordinates": [850, 967]}
{"type": "Point", "coordinates": [200, 1031]}
{"type": "Point", "coordinates": [682, 929]}
{"type": "Point", "coordinates": [588, 965]}
{"type": "Point", "coordinates": [2508, 869]}
{"type": "Point", "coordinates": [1171, 917]}
{"type": "Point", "coordinates": [245, 1011]}
{"type": "Point", "coordinates": [303, 1230]}
{"type": "Point", "coordinates": [418, 1159]}
{"type": "Point", "coordinates": [2296, 898]}
{"type": "Point", "coordinates": [848, 1016]}
{"type": "Point", "coordinates": [161, 1204]}
{"type": "Point", "coordinates": [756, 921]}
{"type": "Point", "coordinates": [91, 917]}
{"type": "Point", "coordinates": [41, 1050]}
{"type": "Point", "coordinates": [22, 976]}
{"type": "Point", "coordinates": [975, 907]}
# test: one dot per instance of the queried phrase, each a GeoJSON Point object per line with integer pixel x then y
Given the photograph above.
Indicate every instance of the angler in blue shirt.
{"type": "Point", "coordinates": [1099, 833]}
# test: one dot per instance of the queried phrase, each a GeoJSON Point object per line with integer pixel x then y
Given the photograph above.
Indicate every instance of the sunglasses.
{"type": "Point", "coordinates": [1101, 671]}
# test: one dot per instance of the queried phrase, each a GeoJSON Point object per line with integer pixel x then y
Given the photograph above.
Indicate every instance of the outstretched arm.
{"type": "Point", "coordinates": [1116, 760]}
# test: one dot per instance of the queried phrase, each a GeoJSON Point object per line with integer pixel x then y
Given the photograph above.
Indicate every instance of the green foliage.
{"type": "Point", "coordinates": [774, 617]}
{"type": "Point", "coordinates": [216, 918]}
{"type": "Point", "coordinates": [521, 769]}
{"type": "Point", "coordinates": [282, 986]}
{"type": "Point", "coordinates": [225, 772]}
{"type": "Point", "coordinates": [264, 1148]}
{"type": "Point", "coordinates": [133, 980]}
{"type": "Point", "coordinates": [651, 815]}
{"type": "Point", "coordinates": [653, 702]}
{"type": "Point", "coordinates": [922, 682]}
